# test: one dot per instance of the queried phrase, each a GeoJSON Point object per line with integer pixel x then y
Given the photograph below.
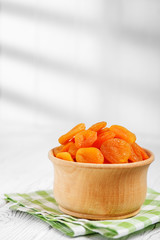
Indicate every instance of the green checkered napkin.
{"type": "Point", "coordinates": [41, 204]}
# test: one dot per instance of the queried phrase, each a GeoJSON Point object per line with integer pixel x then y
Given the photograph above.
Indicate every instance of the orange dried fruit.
{"type": "Point", "coordinates": [85, 138]}
{"type": "Point", "coordinates": [106, 162]}
{"type": "Point", "coordinates": [144, 155]}
{"type": "Point", "coordinates": [135, 155]}
{"type": "Point", "coordinates": [89, 155]}
{"type": "Point", "coordinates": [57, 150]}
{"type": "Point", "coordinates": [103, 130]}
{"type": "Point", "coordinates": [72, 150]}
{"type": "Point", "coordinates": [102, 138]}
{"type": "Point", "coordinates": [65, 156]}
{"type": "Point", "coordinates": [69, 135]}
{"type": "Point", "coordinates": [72, 140]}
{"type": "Point", "coordinates": [123, 133]}
{"type": "Point", "coordinates": [65, 147]}
{"type": "Point", "coordinates": [97, 126]}
{"type": "Point", "coordinates": [116, 150]}
{"type": "Point", "coordinates": [117, 144]}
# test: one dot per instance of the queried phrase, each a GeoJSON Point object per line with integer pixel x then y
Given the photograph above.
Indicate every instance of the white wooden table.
{"type": "Point", "coordinates": [24, 167]}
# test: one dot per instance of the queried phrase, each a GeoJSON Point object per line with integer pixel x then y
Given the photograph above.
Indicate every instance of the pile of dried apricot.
{"type": "Point", "coordinates": [99, 144]}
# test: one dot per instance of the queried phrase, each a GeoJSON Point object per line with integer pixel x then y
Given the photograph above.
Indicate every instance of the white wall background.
{"type": "Point", "coordinates": [64, 61]}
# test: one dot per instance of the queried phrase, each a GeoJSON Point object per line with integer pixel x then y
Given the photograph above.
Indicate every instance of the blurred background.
{"type": "Point", "coordinates": [63, 62]}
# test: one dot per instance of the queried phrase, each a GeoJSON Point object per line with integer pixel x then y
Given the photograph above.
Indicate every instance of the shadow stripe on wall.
{"type": "Point", "coordinates": [121, 28]}
{"type": "Point", "coordinates": [31, 104]}
{"type": "Point", "coordinates": [49, 64]}
{"type": "Point", "coordinates": [50, 16]}
{"type": "Point", "coordinates": [121, 85]}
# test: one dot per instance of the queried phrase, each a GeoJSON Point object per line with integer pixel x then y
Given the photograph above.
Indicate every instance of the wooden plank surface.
{"type": "Point", "coordinates": [24, 167]}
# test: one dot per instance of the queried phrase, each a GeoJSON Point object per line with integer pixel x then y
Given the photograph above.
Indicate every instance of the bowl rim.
{"type": "Point", "coordinates": [59, 161]}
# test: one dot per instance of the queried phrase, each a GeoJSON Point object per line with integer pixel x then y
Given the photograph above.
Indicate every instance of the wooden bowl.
{"type": "Point", "coordinates": [100, 191]}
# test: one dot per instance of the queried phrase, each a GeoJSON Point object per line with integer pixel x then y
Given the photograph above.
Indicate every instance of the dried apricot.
{"type": "Point", "coordinates": [72, 150]}
{"type": "Point", "coordinates": [57, 150]}
{"type": "Point", "coordinates": [65, 156]}
{"type": "Point", "coordinates": [103, 130]}
{"type": "Point", "coordinates": [116, 144]}
{"type": "Point", "coordinates": [85, 138]}
{"type": "Point", "coordinates": [123, 133]}
{"type": "Point", "coordinates": [69, 135]}
{"type": "Point", "coordinates": [65, 147]}
{"type": "Point", "coordinates": [102, 138]}
{"type": "Point", "coordinates": [144, 155]}
{"type": "Point", "coordinates": [116, 150]}
{"type": "Point", "coordinates": [89, 155]}
{"type": "Point", "coordinates": [135, 155]}
{"type": "Point", "coordinates": [97, 126]}
{"type": "Point", "coordinates": [106, 162]}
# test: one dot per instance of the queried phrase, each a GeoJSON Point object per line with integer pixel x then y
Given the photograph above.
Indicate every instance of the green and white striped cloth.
{"type": "Point", "coordinates": [42, 204]}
